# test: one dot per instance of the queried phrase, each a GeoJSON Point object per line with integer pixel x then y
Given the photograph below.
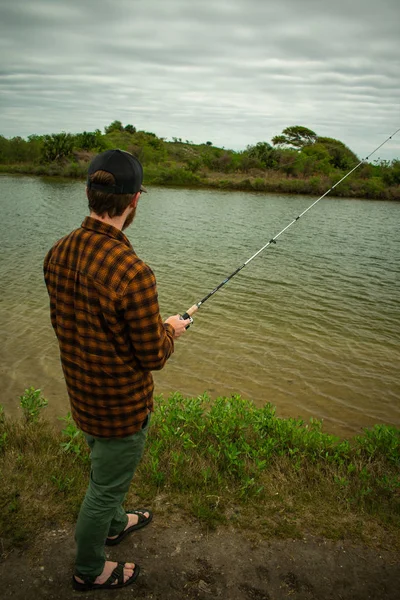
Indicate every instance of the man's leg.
{"type": "Point", "coordinates": [120, 518]}
{"type": "Point", "coordinates": [114, 461]}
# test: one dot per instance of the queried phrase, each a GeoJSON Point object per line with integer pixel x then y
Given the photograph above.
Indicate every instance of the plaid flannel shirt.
{"type": "Point", "coordinates": [104, 310]}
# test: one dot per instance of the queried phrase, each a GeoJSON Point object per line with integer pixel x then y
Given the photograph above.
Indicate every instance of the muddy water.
{"type": "Point", "coordinates": [311, 325]}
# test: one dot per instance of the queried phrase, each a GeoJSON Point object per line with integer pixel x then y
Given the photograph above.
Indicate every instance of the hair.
{"type": "Point", "coordinates": [103, 202]}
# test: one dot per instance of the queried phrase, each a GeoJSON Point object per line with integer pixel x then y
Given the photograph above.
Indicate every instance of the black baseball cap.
{"type": "Point", "coordinates": [127, 171]}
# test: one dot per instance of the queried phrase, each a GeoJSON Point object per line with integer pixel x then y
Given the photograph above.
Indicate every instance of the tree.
{"type": "Point", "coordinates": [264, 153]}
{"type": "Point", "coordinates": [295, 136]}
{"type": "Point", "coordinates": [88, 140]}
{"type": "Point", "coordinates": [114, 126]}
{"type": "Point", "coordinates": [57, 146]}
{"type": "Point", "coordinates": [340, 156]}
{"type": "Point", "coordinates": [4, 147]}
{"type": "Point", "coordinates": [209, 143]}
{"type": "Point", "coordinates": [390, 172]}
{"type": "Point", "coordinates": [34, 148]}
{"type": "Point", "coordinates": [130, 129]}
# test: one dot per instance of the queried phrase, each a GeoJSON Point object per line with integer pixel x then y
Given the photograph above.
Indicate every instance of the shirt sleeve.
{"type": "Point", "coordinates": [152, 340]}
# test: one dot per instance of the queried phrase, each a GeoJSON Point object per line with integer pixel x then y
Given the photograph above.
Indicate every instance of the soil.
{"type": "Point", "coordinates": [182, 561]}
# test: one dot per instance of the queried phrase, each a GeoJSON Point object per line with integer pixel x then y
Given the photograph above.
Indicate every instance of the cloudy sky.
{"type": "Point", "coordinates": [234, 72]}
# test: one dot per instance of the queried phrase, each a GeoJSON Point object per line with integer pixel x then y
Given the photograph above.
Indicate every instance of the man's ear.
{"type": "Point", "coordinates": [135, 199]}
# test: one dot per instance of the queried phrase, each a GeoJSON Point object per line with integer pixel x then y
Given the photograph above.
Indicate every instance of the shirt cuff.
{"type": "Point", "coordinates": [168, 327]}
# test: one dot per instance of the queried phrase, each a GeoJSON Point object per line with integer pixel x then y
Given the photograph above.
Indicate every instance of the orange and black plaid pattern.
{"type": "Point", "coordinates": [104, 310]}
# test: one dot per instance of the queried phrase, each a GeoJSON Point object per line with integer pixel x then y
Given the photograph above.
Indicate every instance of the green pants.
{"type": "Point", "coordinates": [113, 465]}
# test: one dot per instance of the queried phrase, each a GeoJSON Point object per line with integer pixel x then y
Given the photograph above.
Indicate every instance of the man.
{"type": "Point", "coordinates": [104, 310]}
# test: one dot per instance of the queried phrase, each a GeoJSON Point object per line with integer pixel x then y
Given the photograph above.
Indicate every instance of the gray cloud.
{"type": "Point", "coordinates": [234, 72]}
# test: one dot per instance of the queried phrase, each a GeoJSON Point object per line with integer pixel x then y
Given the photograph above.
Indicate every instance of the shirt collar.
{"type": "Point", "coordinates": [99, 227]}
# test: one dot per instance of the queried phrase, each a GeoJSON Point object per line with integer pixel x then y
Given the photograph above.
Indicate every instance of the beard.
{"type": "Point", "coordinates": [129, 219]}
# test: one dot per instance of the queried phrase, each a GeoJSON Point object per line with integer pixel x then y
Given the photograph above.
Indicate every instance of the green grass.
{"type": "Point", "coordinates": [220, 462]}
{"type": "Point", "coordinates": [173, 175]}
{"type": "Point", "coordinates": [312, 169]}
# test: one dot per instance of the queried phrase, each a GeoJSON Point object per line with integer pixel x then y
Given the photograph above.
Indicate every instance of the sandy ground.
{"type": "Point", "coordinates": [181, 561]}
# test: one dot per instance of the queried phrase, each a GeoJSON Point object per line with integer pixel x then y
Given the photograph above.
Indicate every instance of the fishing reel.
{"type": "Point", "coordinates": [186, 316]}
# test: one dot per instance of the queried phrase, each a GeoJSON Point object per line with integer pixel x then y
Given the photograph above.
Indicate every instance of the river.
{"type": "Point", "coordinates": [312, 324]}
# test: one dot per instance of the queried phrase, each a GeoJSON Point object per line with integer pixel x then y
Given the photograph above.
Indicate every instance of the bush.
{"type": "Point", "coordinates": [178, 176]}
{"type": "Point", "coordinates": [57, 146]}
{"type": "Point", "coordinates": [32, 403]}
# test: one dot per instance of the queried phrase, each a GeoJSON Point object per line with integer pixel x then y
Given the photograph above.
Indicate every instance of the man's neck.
{"type": "Point", "coordinates": [117, 222]}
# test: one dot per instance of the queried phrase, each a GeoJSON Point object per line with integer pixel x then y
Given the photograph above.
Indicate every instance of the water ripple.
{"type": "Point", "coordinates": [311, 325]}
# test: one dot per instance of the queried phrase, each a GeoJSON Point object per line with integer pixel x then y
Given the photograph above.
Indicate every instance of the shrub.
{"type": "Point", "coordinates": [32, 403]}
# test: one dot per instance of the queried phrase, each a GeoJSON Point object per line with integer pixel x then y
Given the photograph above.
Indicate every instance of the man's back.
{"type": "Point", "coordinates": [105, 313]}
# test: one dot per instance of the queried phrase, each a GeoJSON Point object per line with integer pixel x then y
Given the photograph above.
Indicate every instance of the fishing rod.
{"type": "Point", "coordinates": [193, 309]}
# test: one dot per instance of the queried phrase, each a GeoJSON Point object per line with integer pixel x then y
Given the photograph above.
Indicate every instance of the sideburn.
{"type": "Point", "coordinates": [129, 219]}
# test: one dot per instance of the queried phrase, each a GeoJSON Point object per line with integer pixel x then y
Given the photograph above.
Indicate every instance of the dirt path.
{"type": "Point", "coordinates": [181, 561]}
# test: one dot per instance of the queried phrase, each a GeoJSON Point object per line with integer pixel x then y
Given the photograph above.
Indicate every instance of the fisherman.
{"type": "Point", "coordinates": [105, 313]}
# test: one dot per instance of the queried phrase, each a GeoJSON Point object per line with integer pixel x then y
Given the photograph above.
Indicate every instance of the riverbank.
{"type": "Point", "coordinates": [223, 463]}
{"type": "Point", "coordinates": [298, 162]}
{"type": "Point", "coordinates": [267, 181]}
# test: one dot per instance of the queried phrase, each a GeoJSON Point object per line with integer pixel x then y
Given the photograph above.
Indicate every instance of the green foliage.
{"type": "Point", "coordinates": [296, 136]}
{"type": "Point", "coordinates": [374, 188]}
{"type": "Point", "coordinates": [381, 442]}
{"type": "Point", "coordinates": [74, 441]}
{"type": "Point", "coordinates": [298, 162]}
{"type": "Point", "coordinates": [17, 150]}
{"type": "Point", "coordinates": [340, 156]}
{"type": "Point", "coordinates": [62, 483]}
{"type": "Point", "coordinates": [222, 460]}
{"type": "Point", "coordinates": [114, 126]}
{"type": "Point", "coordinates": [3, 440]}
{"type": "Point", "coordinates": [210, 445]}
{"type": "Point", "coordinates": [130, 128]}
{"type": "Point", "coordinates": [89, 140]}
{"type": "Point", "coordinates": [173, 176]}
{"type": "Point", "coordinates": [247, 162]}
{"type": "Point", "coordinates": [258, 184]}
{"type": "Point", "coordinates": [264, 153]}
{"type": "Point", "coordinates": [316, 158]}
{"type": "Point", "coordinates": [32, 402]}
{"type": "Point", "coordinates": [57, 146]}
{"type": "Point", "coordinates": [390, 172]}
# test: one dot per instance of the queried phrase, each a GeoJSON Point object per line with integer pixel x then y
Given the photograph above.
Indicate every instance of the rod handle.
{"type": "Point", "coordinates": [190, 311]}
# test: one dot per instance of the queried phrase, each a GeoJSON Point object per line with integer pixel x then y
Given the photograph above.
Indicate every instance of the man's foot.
{"type": "Point", "coordinates": [113, 575]}
{"type": "Point", "coordinates": [136, 520]}
{"type": "Point", "coordinates": [133, 519]}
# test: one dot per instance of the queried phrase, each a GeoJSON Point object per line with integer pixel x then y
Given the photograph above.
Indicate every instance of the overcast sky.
{"type": "Point", "coordinates": [233, 72]}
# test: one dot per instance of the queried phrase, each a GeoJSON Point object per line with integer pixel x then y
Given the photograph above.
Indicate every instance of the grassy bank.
{"type": "Point", "coordinates": [268, 181]}
{"type": "Point", "coordinates": [220, 462]}
{"type": "Point", "coordinates": [299, 162]}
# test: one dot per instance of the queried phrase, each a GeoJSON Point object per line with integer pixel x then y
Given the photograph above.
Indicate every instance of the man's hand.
{"type": "Point", "coordinates": [178, 324]}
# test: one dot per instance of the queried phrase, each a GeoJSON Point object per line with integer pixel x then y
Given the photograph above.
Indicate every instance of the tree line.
{"type": "Point", "coordinates": [297, 160]}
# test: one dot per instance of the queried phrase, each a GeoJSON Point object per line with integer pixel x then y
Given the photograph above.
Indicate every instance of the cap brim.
{"type": "Point", "coordinates": [143, 189]}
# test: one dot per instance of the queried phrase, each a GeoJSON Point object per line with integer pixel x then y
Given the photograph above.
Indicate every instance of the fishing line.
{"type": "Point", "coordinates": [190, 312]}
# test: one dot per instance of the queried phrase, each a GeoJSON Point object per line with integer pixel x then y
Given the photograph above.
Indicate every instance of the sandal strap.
{"type": "Point", "coordinates": [140, 515]}
{"type": "Point", "coordinates": [117, 575]}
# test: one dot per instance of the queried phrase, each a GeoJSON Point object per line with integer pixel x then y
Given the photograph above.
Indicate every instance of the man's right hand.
{"type": "Point", "coordinates": [178, 324]}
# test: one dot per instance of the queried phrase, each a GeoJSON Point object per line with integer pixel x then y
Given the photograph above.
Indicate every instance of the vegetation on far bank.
{"type": "Point", "coordinates": [298, 161]}
{"type": "Point", "coordinates": [221, 462]}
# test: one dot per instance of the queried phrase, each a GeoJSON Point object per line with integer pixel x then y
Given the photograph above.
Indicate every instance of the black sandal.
{"type": "Point", "coordinates": [142, 522]}
{"type": "Point", "coordinates": [116, 580]}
